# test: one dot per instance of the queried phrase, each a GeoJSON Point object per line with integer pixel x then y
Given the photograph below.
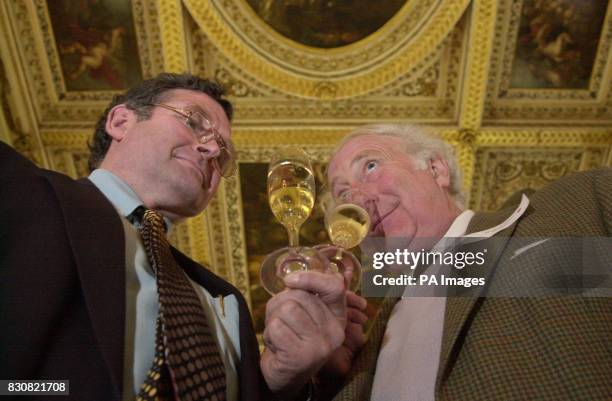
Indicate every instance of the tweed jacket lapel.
{"type": "Point", "coordinates": [459, 308]}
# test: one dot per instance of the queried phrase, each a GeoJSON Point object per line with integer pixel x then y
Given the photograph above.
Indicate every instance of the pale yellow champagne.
{"type": "Point", "coordinates": [291, 192]}
{"type": "Point", "coordinates": [348, 225]}
{"type": "Point", "coordinates": [291, 205]}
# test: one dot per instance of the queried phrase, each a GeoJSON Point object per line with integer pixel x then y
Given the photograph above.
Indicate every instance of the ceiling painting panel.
{"type": "Point", "coordinates": [96, 42]}
{"type": "Point", "coordinates": [325, 23]}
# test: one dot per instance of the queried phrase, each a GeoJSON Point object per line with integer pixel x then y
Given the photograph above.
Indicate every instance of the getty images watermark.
{"type": "Point", "coordinates": [491, 267]}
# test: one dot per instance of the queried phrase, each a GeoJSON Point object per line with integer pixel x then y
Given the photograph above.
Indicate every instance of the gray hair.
{"type": "Point", "coordinates": [422, 144]}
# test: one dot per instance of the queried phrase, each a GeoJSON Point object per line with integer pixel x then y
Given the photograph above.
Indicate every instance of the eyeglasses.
{"type": "Point", "coordinates": [204, 131]}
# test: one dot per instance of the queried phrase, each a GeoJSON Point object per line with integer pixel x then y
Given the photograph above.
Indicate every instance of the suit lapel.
{"type": "Point", "coordinates": [96, 237]}
{"type": "Point", "coordinates": [251, 380]}
{"type": "Point", "coordinates": [460, 309]}
{"type": "Point", "coordinates": [214, 284]}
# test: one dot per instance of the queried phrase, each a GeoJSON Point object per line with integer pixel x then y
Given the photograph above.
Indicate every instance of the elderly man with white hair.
{"type": "Point", "coordinates": [557, 346]}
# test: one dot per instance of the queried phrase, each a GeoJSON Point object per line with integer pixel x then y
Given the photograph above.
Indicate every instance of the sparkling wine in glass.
{"type": "Point", "coordinates": [291, 194]}
{"type": "Point", "coordinates": [347, 225]}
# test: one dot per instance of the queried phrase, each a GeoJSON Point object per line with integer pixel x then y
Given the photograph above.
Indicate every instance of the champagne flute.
{"type": "Point", "coordinates": [291, 191]}
{"type": "Point", "coordinates": [347, 225]}
{"type": "Point", "coordinates": [291, 194]}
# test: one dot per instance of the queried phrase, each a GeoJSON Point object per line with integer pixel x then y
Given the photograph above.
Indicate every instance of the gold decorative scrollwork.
{"type": "Point", "coordinates": [510, 160]}
{"type": "Point", "coordinates": [210, 18]}
{"type": "Point", "coordinates": [172, 35]}
{"type": "Point", "coordinates": [502, 172]}
{"type": "Point", "coordinates": [507, 171]}
{"type": "Point", "coordinates": [482, 28]}
{"type": "Point", "coordinates": [327, 62]}
{"type": "Point", "coordinates": [553, 171]}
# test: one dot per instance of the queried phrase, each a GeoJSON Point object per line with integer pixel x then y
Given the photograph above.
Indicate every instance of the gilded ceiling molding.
{"type": "Point", "coordinates": [147, 24]}
{"type": "Point", "coordinates": [274, 136]}
{"type": "Point", "coordinates": [17, 99]}
{"type": "Point", "coordinates": [172, 32]}
{"type": "Point", "coordinates": [236, 239]}
{"type": "Point", "coordinates": [73, 139]}
{"type": "Point", "coordinates": [54, 74]}
{"type": "Point", "coordinates": [428, 92]}
{"type": "Point", "coordinates": [198, 239]}
{"type": "Point", "coordinates": [503, 172]}
{"type": "Point", "coordinates": [464, 143]}
{"type": "Point", "coordinates": [258, 144]}
{"type": "Point", "coordinates": [482, 29]}
{"type": "Point", "coordinates": [328, 62]}
{"type": "Point", "coordinates": [223, 240]}
{"type": "Point", "coordinates": [209, 16]}
{"type": "Point", "coordinates": [508, 160]}
{"type": "Point", "coordinates": [544, 137]}
{"type": "Point", "coordinates": [215, 244]}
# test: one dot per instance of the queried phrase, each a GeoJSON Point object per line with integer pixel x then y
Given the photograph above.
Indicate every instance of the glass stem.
{"type": "Point", "coordinates": [294, 236]}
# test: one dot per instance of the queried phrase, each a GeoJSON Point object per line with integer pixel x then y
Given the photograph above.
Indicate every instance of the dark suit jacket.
{"type": "Point", "coordinates": [553, 347]}
{"type": "Point", "coordinates": [62, 285]}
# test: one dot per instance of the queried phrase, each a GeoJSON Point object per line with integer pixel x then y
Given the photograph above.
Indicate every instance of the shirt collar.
{"type": "Point", "coordinates": [118, 192]}
{"type": "Point", "coordinates": [456, 232]}
{"type": "Point", "coordinates": [460, 225]}
{"type": "Point", "coordinates": [518, 212]}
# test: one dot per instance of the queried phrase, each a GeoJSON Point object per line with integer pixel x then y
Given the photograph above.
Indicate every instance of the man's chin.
{"type": "Point", "coordinates": [191, 206]}
{"type": "Point", "coordinates": [198, 207]}
{"type": "Point", "coordinates": [397, 242]}
{"type": "Point", "coordinates": [399, 238]}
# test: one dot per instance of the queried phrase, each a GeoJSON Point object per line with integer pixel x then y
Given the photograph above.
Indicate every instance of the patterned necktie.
{"type": "Point", "coordinates": [187, 364]}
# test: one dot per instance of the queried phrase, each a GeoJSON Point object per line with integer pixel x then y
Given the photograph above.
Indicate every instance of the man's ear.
{"type": "Point", "coordinates": [439, 169]}
{"type": "Point", "coordinates": [118, 121]}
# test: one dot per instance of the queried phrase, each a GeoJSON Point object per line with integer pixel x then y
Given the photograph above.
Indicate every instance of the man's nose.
{"type": "Point", "coordinates": [209, 149]}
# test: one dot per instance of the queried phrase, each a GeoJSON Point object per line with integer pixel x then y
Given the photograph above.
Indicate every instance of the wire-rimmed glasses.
{"type": "Point", "coordinates": [205, 131]}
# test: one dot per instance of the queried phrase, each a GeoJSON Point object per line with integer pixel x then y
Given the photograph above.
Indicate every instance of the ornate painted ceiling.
{"type": "Point", "coordinates": [521, 88]}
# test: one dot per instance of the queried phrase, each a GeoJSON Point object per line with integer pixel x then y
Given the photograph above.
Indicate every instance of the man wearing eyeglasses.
{"type": "Point", "coordinates": [82, 296]}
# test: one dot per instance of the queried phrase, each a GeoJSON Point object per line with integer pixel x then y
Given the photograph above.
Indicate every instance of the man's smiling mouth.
{"type": "Point", "coordinates": [194, 166]}
{"type": "Point", "coordinates": [376, 227]}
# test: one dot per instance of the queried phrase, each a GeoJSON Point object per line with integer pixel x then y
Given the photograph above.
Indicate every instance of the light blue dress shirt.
{"type": "Point", "coordinates": [141, 300]}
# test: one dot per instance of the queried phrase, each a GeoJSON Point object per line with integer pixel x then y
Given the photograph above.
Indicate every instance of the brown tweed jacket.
{"type": "Point", "coordinates": [529, 348]}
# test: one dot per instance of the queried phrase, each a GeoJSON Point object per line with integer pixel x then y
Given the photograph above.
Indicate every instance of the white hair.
{"type": "Point", "coordinates": [422, 145]}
